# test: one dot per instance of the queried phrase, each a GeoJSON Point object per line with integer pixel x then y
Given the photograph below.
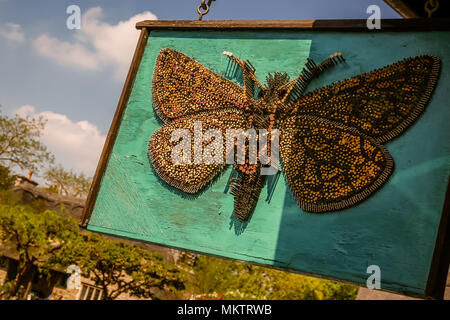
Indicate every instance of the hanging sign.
{"type": "Point", "coordinates": [318, 147]}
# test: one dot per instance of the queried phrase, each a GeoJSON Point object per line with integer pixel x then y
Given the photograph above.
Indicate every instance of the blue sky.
{"type": "Point", "coordinates": [75, 77]}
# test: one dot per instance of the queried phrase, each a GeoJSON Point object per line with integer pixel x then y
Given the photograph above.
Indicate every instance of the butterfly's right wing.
{"type": "Point", "coordinates": [330, 166]}
{"type": "Point", "coordinates": [382, 103]}
{"type": "Point", "coordinates": [182, 86]}
{"type": "Point", "coordinates": [168, 148]}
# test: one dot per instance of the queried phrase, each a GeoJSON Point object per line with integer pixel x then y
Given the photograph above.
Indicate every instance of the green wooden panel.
{"type": "Point", "coordinates": [395, 229]}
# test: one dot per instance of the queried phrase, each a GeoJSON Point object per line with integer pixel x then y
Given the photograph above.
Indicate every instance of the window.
{"type": "Point", "coordinates": [89, 292]}
{"type": "Point", "coordinates": [62, 282]}
{"type": "Point", "coordinates": [12, 270]}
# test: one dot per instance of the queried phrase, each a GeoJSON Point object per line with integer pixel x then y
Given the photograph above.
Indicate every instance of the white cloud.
{"type": "Point", "coordinates": [97, 44]}
{"type": "Point", "coordinates": [76, 145]}
{"type": "Point", "coordinates": [12, 32]}
{"type": "Point", "coordinates": [66, 53]}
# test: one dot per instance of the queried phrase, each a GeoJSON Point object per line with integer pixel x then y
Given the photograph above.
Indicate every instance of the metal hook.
{"type": "Point", "coordinates": [203, 8]}
{"type": "Point", "coordinates": [431, 6]}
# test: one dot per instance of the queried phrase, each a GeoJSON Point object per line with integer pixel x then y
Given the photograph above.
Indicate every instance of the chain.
{"type": "Point", "coordinates": [431, 6]}
{"type": "Point", "coordinates": [203, 9]}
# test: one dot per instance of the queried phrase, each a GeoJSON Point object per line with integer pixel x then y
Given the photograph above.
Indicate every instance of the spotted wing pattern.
{"type": "Point", "coordinates": [192, 176]}
{"type": "Point", "coordinates": [182, 86]}
{"type": "Point", "coordinates": [381, 103]}
{"type": "Point", "coordinates": [329, 166]}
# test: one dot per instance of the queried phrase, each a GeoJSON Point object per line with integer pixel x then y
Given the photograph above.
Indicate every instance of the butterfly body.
{"type": "Point", "coordinates": [331, 140]}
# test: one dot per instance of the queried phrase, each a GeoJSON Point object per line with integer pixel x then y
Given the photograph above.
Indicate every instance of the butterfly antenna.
{"type": "Point", "coordinates": [297, 87]}
{"type": "Point", "coordinates": [251, 83]}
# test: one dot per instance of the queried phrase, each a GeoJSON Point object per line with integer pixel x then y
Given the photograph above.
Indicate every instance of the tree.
{"type": "Point", "coordinates": [67, 183]}
{"type": "Point", "coordinates": [20, 145]}
{"type": "Point", "coordinates": [119, 268]}
{"type": "Point", "coordinates": [218, 278]}
{"type": "Point", "coordinates": [44, 240]}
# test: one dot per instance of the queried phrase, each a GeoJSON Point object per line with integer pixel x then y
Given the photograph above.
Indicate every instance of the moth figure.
{"type": "Point", "coordinates": [331, 140]}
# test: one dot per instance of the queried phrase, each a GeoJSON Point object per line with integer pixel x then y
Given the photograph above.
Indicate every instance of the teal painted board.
{"type": "Point", "coordinates": [396, 228]}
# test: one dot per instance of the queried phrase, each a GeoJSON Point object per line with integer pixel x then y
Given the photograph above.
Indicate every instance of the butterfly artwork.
{"type": "Point", "coordinates": [331, 140]}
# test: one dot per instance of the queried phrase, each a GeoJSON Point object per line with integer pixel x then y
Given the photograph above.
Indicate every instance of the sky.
{"type": "Point", "coordinates": [74, 77]}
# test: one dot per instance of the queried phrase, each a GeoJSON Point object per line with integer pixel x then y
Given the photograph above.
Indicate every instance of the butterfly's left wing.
{"type": "Point", "coordinates": [330, 166]}
{"type": "Point", "coordinates": [179, 158]}
{"type": "Point", "coordinates": [182, 86]}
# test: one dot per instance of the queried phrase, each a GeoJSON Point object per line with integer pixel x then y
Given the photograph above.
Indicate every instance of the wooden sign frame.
{"type": "Point", "coordinates": [441, 257]}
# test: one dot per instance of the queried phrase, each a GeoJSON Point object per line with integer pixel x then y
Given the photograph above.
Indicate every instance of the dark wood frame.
{"type": "Point", "coordinates": [402, 9]}
{"type": "Point", "coordinates": [441, 256]}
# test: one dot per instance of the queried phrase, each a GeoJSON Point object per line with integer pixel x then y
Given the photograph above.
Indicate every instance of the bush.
{"type": "Point", "coordinates": [216, 278]}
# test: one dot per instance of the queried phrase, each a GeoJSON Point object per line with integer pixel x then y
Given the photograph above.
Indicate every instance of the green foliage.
{"type": "Point", "coordinates": [118, 267]}
{"type": "Point", "coordinates": [7, 197]}
{"type": "Point", "coordinates": [25, 228]}
{"type": "Point", "coordinates": [20, 145]}
{"type": "Point", "coordinates": [39, 239]}
{"type": "Point", "coordinates": [67, 183]}
{"type": "Point", "coordinates": [48, 241]}
{"type": "Point", "coordinates": [5, 290]}
{"type": "Point", "coordinates": [224, 279]}
{"type": "Point", "coordinates": [6, 178]}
